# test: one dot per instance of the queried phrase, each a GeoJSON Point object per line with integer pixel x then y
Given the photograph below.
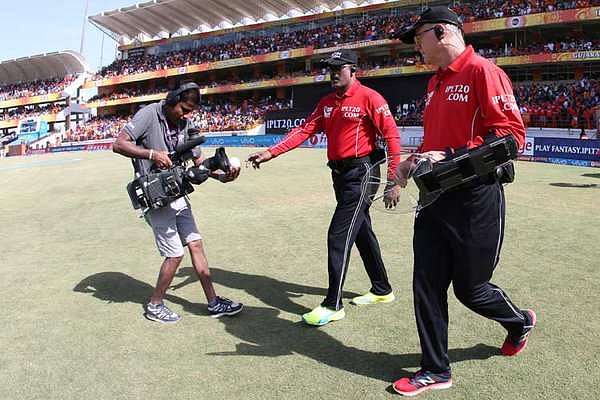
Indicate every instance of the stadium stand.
{"type": "Point", "coordinates": [329, 35]}
{"type": "Point", "coordinates": [96, 128]}
{"type": "Point", "coordinates": [35, 93]}
{"type": "Point", "coordinates": [550, 48]}
{"type": "Point", "coordinates": [35, 88]}
{"type": "Point", "coordinates": [505, 50]}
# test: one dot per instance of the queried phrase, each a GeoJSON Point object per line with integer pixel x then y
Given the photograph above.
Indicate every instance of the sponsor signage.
{"type": "Point", "coordinates": [280, 122]}
{"type": "Point", "coordinates": [317, 141]}
{"type": "Point", "coordinates": [137, 52]}
{"type": "Point", "coordinates": [243, 141]}
{"type": "Point", "coordinates": [60, 149]}
{"type": "Point", "coordinates": [587, 55]}
{"type": "Point", "coordinates": [81, 147]}
{"type": "Point", "coordinates": [556, 17]}
{"type": "Point", "coordinates": [528, 146]}
{"type": "Point", "coordinates": [571, 149]}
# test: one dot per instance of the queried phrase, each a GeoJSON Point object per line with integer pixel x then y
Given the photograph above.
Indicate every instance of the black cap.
{"type": "Point", "coordinates": [340, 57]}
{"type": "Point", "coordinates": [431, 15]}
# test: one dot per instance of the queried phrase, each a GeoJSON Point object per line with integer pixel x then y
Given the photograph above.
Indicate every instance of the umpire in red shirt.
{"type": "Point", "coordinates": [457, 239]}
{"type": "Point", "coordinates": [352, 117]}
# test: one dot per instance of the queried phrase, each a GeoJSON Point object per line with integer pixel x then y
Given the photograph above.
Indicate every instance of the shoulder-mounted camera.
{"type": "Point", "coordinates": [159, 188]}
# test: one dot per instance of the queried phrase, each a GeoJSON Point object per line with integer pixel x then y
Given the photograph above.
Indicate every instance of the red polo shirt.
{"type": "Point", "coordinates": [351, 122]}
{"type": "Point", "coordinates": [465, 101]}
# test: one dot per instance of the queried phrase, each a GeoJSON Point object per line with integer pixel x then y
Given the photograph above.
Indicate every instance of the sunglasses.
{"type": "Point", "coordinates": [418, 35]}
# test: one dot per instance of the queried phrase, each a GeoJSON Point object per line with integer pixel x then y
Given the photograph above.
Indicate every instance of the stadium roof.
{"type": "Point", "coordinates": [165, 18]}
{"type": "Point", "coordinates": [42, 66]}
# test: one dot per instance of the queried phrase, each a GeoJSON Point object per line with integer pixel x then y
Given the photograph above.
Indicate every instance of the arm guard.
{"type": "Point", "coordinates": [490, 161]}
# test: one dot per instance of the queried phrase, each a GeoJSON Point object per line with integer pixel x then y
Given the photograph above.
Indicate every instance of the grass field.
{"type": "Point", "coordinates": [77, 264]}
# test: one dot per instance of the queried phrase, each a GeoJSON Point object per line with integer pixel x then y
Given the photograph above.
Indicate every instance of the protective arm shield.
{"type": "Point", "coordinates": [463, 167]}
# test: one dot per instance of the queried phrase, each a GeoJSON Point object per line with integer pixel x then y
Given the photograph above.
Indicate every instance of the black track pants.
{"type": "Point", "coordinates": [457, 240]}
{"type": "Point", "coordinates": [351, 223]}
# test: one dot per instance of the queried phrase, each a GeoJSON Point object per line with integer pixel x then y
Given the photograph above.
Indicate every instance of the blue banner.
{"type": "Point", "coordinates": [317, 141]}
{"type": "Point", "coordinates": [243, 141]}
{"type": "Point", "coordinates": [61, 149]}
{"type": "Point", "coordinates": [570, 149]}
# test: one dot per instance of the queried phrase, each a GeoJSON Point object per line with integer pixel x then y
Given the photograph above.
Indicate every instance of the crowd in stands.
{"type": "Point", "coordinates": [559, 46]}
{"type": "Point", "coordinates": [124, 93]}
{"type": "Point", "coordinates": [489, 9]}
{"type": "Point", "coordinates": [30, 111]}
{"type": "Point", "coordinates": [564, 45]}
{"type": "Point", "coordinates": [326, 36]}
{"type": "Point", "coordinates": [367, 29]}
{"type": "Point", "coordinates": [96, 128]}
{"type": "Point", "coordinates": [34, 88]}
{"type": "Point", "coordinates": [215, 117]}
{"type": "Point", "coordinates": [410, 113]}
{"type": "Point", "coordinates": [569, 104]}
{"type": "Point", "coordinates": [559, 104]}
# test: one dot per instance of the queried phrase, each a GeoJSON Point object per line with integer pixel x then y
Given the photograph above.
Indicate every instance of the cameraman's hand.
{"type": "Point", "coordinates": [162, 160]}
{"type": "Point", "coordinates": [391, 196]}
{"type": "Point", "coordinates": [259, 157]}
{"type": "Point", "coordinates": [225, 177]}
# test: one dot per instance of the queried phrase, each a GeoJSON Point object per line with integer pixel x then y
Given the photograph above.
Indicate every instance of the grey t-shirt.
{"type": "Point", "coordinates": [149, 129]}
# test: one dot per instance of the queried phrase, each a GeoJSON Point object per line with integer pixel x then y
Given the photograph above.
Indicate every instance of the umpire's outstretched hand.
{"type": "Point", "coordinates": [259, 157]}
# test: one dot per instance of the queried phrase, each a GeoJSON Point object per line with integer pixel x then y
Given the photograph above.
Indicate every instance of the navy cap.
{"type": "Point", "coordinates": [431, 15]}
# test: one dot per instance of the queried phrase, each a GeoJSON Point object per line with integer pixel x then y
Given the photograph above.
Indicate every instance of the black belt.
{"type": "Point", "coordinates": [347, 163]}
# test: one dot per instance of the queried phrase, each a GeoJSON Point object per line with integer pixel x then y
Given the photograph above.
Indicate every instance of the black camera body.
{"type": "Point", "coordinates": [159, 188]}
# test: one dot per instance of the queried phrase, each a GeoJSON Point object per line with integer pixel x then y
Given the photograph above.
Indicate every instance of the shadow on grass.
{"type": "Point", "coordinates": [264, 333]}
{"type": "Point", "coordinates": [270, 291]}
{"type": "Point", "coordinates": [117, 287]}
{"type": "Point", "coordinates": [591, 175]}
{"type": "Point", "coordinates": [576, 185]}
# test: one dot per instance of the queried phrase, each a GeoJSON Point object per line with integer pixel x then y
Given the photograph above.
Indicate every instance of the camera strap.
{"type": "Point", "coordinates": [171, 138]}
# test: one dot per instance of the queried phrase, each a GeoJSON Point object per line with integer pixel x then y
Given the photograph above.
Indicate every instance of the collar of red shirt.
{"type": "Point", "coordinates": [459, 62]}
{"type": "Point", "coordinates": [351, 90]}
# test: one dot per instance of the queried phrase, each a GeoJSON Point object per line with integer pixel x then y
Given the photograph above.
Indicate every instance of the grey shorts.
{"type": "Point", "coordinates": [174, 227]}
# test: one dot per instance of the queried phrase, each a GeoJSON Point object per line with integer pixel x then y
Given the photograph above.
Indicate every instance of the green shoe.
{"type": "Point", "coordinates": [370, 298]}
{"type": "Point", "coordinates": [321, 316]}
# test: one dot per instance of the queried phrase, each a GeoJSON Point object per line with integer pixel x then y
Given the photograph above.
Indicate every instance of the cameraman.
{"type": "Point", "coordinates": [148, 138]}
